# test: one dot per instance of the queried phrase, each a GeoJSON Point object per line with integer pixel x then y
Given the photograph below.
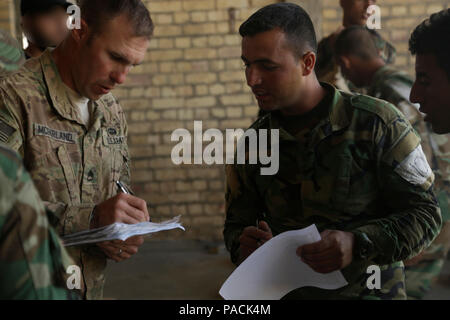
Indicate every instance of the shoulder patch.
{"type": "Point", "coordinates": [6, 131]}
{"type": "Point", "coordinates": [415, 169]}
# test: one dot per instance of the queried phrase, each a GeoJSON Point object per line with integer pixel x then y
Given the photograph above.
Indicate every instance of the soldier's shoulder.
{"type": "Point", "coordinates": [370, 106]}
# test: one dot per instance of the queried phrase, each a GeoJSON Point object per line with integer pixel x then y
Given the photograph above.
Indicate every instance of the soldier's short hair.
{"type": "Point", "coordinates": [292, 19]}
{"type": "Point", "coordinates": [432, 36]}
{"type": "Point", "coordinates": [358, 41]}
{"type": "Point", "coordinates": [96, 13]}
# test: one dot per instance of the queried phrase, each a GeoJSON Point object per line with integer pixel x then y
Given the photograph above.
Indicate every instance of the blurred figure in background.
{"type": "Point", "coordinates": [355, 14]}
{"type": "Point", "coordinates": [44, 23]}
{"type": "Point", "coordinates": [11, 57]}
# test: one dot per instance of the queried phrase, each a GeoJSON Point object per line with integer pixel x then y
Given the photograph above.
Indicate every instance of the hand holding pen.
{"type": "Point", "coordinates": [253, 237]}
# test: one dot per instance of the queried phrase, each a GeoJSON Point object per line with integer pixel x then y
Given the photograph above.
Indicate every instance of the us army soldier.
{"type": "Point", "coordinates": [350, 164]}
{"type": "Point", "coordinates": [58, 112]}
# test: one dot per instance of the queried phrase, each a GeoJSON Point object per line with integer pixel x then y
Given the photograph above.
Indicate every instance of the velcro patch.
{"type": "Point", "coordinates": [5, 131]}
{"type": "Point", "coordinates": [113, 136]}
{"type": "Point", "coordinates": [62, 136]}
{"type": "Point", "coordinates": [415, 168]}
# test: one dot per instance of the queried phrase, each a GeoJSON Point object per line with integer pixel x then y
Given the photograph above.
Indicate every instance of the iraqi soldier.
{"type": "Point", "coordinates": [355, 13]}
{"type": "Point", "coordinates": [357, 55]}
{"type": "Point", "coordinates": [11, 57]}
{"type": "Point", "coordinates": [33, 261]}
{"type": "Point", "coordinates": [430, 42]}
{"type": "Point", "coordinates": [350, 164]}
{"type": "Point", "coordinates": [59, 114]}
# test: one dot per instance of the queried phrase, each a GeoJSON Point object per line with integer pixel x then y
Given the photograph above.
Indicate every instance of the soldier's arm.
{"type": "Point", "coordinates": [412, 219]}
{"type": "Point", "coordinates": [241, 210]}
{"type": "Point", "coordinates": [33, 262]}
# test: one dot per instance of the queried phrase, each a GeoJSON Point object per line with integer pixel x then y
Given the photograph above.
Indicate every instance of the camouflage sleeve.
{"type": "Point", "coordinates": [68, 219]}
{"type": "Point", "coordinates": [33, 262]}
{"type": "Point", "coordinates": [412, 219]}
{"type": "Point", "coordinates": [241, 209]}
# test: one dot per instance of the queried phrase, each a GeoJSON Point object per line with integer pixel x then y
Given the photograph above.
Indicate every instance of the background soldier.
{"type": "Point", "coordinates": [360, 63]}
{"type": "Point", "coordinates": [355, 14]}
{"type": "Point", "coordinates": [57, 111]}
{"type": "Point", "coordinates": [11, 57]}
{"type": "Point", "coordinates": [44, 23]}
{"type": "Point", "coordinates": [345, 165]}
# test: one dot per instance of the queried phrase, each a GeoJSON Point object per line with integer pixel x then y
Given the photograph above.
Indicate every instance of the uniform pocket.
{"type": "Point", "coordinates": [69, 174]}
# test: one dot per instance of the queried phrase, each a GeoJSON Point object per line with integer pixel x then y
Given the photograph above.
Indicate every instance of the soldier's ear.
{"type": "Point", "coordinates": [309, 62]}
{"type": "Point", "coordinates": [82, 33]}
{"type": "Point", "coordinates": [345, 61]}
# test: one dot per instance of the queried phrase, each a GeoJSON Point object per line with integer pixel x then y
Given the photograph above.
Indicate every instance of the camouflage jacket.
{"type": "Point", "coordinates": [395, 86]}
{"type": "Point", "coordinates": [327, 69]}
{"type": "Point", "coordinates": [73, 167]}
{"type": "Point", "coordinates": [33, 261]}
{"type": "Point", "coordinates": [11, 55]}
{"type": "Point", "coordinates": [354, 171]}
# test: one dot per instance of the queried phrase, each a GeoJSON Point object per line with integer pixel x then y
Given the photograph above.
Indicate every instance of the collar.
{"type": "Point", "coordinates": [338, 118]}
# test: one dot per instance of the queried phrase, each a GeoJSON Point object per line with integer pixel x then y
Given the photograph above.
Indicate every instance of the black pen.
{"type": "Point", "coordinates": [123, 188]}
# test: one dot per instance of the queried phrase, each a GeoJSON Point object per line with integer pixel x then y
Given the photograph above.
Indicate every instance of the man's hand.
{"type": "Point", "coordinates": [333, 252]}
{"type": "Point", "coordinates": [252, 238]}
{"type": "Point", "coordinates": [122, 208]}
{"type": "Point", "coordinates": [118, 250]}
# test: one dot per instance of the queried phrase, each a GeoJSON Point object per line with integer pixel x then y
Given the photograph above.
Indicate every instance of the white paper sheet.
{"type": "Point", "coordinates": [274, 270]}
{"type": "Point", "coordinates": [120, 231]}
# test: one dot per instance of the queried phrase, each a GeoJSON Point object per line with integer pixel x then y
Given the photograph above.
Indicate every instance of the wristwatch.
{"type": "Point", "coordinates": [363, 248]}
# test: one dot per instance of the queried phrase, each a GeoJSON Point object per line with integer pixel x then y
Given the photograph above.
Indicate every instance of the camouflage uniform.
{"type": "Point", "coordinates": [73, 167]}
{"type": "Point", "coordinates": [33, 261]}
{"type": "Point", "coordinates": [12, 56]}
{"type": "Point", "coordinates": [347, 172]}
{"type": "Point", "coordinates": [395, 87]}
{"type": "Point", "coordinates": [327, 69]}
